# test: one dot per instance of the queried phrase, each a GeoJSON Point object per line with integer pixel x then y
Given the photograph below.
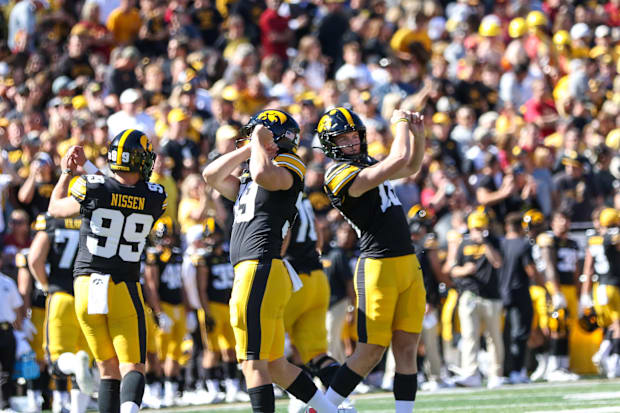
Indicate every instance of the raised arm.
{"type": "Point", "coordinates": [397, 159]}
{"type": "Point", "coordinates": [218, 174]}
{"type": "Point", "coordinates": [418, 145]}
{"type": "Point", "coordinates": [61, 205]}
{"type": "Point", "coordinates": [262, 168]}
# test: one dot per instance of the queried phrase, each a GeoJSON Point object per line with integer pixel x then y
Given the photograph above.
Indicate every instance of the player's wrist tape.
{"type": "Point", "coordinates": [90, 168]}
{"type": "Point", "coordinates": [67, 171]}
{"type": "Point", "coordinates": [400, 120]}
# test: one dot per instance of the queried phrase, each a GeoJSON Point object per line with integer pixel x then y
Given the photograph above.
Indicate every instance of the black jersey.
{"type": "Point", "coordinates": [220, 274]}
{"type": "Point", "coordinates": [37, 295]}
{"type": "Point", "coordinates": [377, 216]}
{"type": "Point", "coordinates": [301, 251]}
{"type": "Point", "coordinates": [422, 248]}
{"type": "Point", "coordinates": [169, 262]}
{"type": "Point", "coordinates": [484, 282]}
{"type": "Point", "coordinates": [566, 253]}
{"type": "Point", "coordinates": [262, 217]}
{"type": "Point", "coordinates": [116, 220]}
{"type": "Point", "coordinates": [606, 256]}
{"type": "Point", "coordinates": [64, 236]}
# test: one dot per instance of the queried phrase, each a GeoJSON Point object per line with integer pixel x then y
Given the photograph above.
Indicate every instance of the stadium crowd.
{"type": "Point", "coordinates": [519, 187]}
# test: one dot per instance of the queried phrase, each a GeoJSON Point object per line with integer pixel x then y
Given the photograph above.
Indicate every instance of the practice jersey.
{"type": "Point", "coordinates": [606, 256]}
{"type": "Point", "coordinates": [37, 295]}
{"type": "Point", "coordinates": [64, 236]}
{"type": "Point", "coordinates": [377, 216]}
{"type": "Point", "coordinates": [422, 248]}
{"type": "Point", "coordinates": [169, 262]}
{"type": "Point", "coordinates": [220, 274]}
{"type": "Point", "coordinates": [116, 221]}
{"type": "Point", "coordinates": [301, 251]}
{"type": "Point", "coordinates": [262, 217]}
{"type": "Point", "coordinates": [566, 253]}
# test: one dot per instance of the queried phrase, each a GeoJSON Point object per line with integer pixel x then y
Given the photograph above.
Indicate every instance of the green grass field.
{"type": "Point", "coordinates": [591, 396]}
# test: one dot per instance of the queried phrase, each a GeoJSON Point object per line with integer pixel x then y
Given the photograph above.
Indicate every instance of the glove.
{"type": "Point", "coordinates": [28, 329]}
{"type": "Point", "coordinates": [585, 301]}
{"type": "Point", "coordinates": [165, 323]}
{"type": "Point", "coordinates": [209, 322]}
{"type": "Point", "coordinates": [558, 300]}
{"type": "Point", "coordinates": [191, 322]}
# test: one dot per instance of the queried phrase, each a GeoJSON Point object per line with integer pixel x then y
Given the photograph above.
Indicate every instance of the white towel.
{"type": "Point", "coordinates": [295, 280]}
{"type": "Point", "coordinates": [601, 294]}
{"type": "Point", "coordinates": [98, 294]}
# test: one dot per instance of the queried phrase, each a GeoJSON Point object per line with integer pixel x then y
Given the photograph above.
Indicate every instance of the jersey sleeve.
{"type": "Point", "coordinates": [41, 223]}
{"type": "Point", "coordinates": [544, 240]}
{"type": "Point", "coordinates": [78, 189]}
{"type": "Point", "coordinates": [293, 163]}
{"type": "Point", "coordinates": [339, 178]}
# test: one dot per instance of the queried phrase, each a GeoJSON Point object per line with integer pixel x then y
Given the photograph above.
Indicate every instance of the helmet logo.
{"type": "Point", "coordinates": [273, 116]}
{"type": "Point", "coordinates": [144, 142]}
{"type": "Point", "coordinates": [324, 124]}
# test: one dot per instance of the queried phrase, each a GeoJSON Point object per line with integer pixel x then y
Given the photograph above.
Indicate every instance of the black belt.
{"type": "Point", "coordinates": [5, 325]}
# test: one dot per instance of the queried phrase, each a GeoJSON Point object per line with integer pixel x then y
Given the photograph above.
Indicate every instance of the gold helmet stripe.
{"type": "Point", "coordinates": [121, 143]}
{"type": "Point", "coordinates": [345, 112]}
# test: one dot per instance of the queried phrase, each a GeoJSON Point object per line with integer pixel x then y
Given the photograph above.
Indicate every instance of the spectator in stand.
{"type": "Point", "coordinates": [35, 192]}
{"type": "Point", "coordinates": [124, 23]}
{"type": "Point", "coordinates": [275, 33]}
{"type": "Point", "coordinates": [574, 189]}
{"type": "Point", "coordinates": [16, 238]}
{"type": "Point", "coordinates": [130, 115]}
{"type": "Point", "coordinates": [540, 109]}
{"type": "Point", "coordinates": [193, 202]}
{"type": "Point", "coordinates": [123, 75]}
{"type": "Point", "coordinates": [354, 69]}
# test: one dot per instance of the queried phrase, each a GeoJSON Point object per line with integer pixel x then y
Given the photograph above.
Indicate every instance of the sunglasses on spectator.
{"type": "Point", "coordinates": [18, 221]}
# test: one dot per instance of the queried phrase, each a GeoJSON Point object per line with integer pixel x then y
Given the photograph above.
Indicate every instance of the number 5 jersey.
{"type": "Point", "coordinates": [377, 216]}
{"type": "Point", "coordinates": [116, 222]}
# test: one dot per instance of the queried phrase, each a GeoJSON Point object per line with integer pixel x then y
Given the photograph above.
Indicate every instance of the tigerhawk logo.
{"type": "Point", "coordinates": [325, 123]}
{"type": "Point", "coordinates": [273, 116]}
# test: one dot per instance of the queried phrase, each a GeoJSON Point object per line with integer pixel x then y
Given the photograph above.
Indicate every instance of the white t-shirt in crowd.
{"type": "Point", "coordinates": [10, 299]}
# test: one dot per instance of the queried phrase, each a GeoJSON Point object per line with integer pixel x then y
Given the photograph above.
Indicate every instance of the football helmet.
{"type": "Point", "coordinates": [284, 127]}
{"type": "Point", "coordinates": [557, 320]}
{"type": "Point", "coordinates": [336, 122]}
{"type": "Point", "coordinates": [418, 217]}
{"type": "Point", "coordinates": [165, 231]}
{"type": "Point", "coordinates": [532, 218]}
{"type": "Point", "coordinates": [478, 219]}
{"type": "Point", "coordinates": [212, 234]}
{"type": "Point", "coordinates": [132, 151]}
{"type": "Point", "coordinates": [588, 320]}
{"type": "Point", "coordinates": [609, 218]}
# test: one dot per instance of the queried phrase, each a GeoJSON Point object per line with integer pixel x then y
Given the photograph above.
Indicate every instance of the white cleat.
{"type": "Point", "coordinates": [434, 385]}
{"type": "Point", "coordinates": [541, 369]}
{"type": "Point", "coordinates": [475, 380]}
{"type": "Point", "coordinates": [518, 377]}
{"type": "Point", "coordinates": [362, 388]}
{"type": "Point", "coordinates": [560, 376]}
{"type": "Point", "coordinates": [296, 406]}
{"type": "Point", "coordinates": [83, 374]}
{"type": "Point", "coordinates": [495, 382]}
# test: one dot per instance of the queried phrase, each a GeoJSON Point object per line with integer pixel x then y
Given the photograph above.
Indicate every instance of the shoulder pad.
{"type": "Point", "coordinates": [595, 240]}
{"type": "Point", "coordinates": [41, 222]}
{"type": "Point", "coordinates": [291, 162]}
{"type": "Point", "coordinates": [78, 189]}
{"type": "Point", "coordinates": [339, 176]}
{"type": "Point", "coordinates": [544, 240]}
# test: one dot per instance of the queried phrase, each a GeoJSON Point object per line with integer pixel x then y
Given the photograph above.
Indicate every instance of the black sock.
{"type": "Point", "coordinates": [405, 386]}
{"type": "Point", "coordinates": [60, 383]}
{"type": "Point", "coordinates": [150, 378]}
{"type": "Point", "coordinates": [230, 369]}
{"type": "Point", "coordinates": [615, 349]}
{"type": "Point", "coordinates": [109, 396]}
{"type": "Point", "coordinates": [211, 373]}
{"type": "Point", "coordinates": [132, 387]}
{"type": "Point", "coordinates": [262, 399]}
{"type": "Point", "coordinates": [302, 387]}
{"type": "Point", "coordinates": [345, 381]}
{"type": "Point", "coordinates": [559, 346]}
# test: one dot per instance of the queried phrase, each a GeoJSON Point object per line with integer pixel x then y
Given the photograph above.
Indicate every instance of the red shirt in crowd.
{"type": "Point", "coordinates": [271, 23]}
{"type": "Point", "coordinates": [613, 13]}
{"type": "Point", "coordinates": [535, 109]}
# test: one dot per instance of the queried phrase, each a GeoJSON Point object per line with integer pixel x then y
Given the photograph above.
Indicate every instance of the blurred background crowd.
{"type": "Point", "coordinates": [521, 99]}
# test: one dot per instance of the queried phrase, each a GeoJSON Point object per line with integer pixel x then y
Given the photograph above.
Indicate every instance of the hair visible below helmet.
{"type": "Point", "coordinates": [609, 217]}
{"type": "Point", "coordinates": [336, 122]}
{"type": "Point", "coordinates": [132, 151]}
{"type": "Point", "coordinates": [532, 218]}
{"type": "Point", "coordinates": [284, 127]}
{"type": "Point", "coordinates": [588, 320]}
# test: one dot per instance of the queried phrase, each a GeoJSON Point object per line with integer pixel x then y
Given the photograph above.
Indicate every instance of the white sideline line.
{"type": "Point", "coordinates": [498, 407]}
{"type": "Point", "coordinates": [588, 410]}
{"type": "Point", "coordinates": [593, 396]}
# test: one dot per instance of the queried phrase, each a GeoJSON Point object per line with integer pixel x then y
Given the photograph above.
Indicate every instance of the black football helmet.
{"type": "Point", "coordinates": [132, 151]}
{"type": "Point", "coordinates": [336, 122]}
{"type": "Point", "coordinates": [284, 127]}
{"type": "Point", "coordinates": [588, 320]}
{"type": "Point", "coordinates": [418, 218]}
{"type": "Point", "coordinates": [164, 231]}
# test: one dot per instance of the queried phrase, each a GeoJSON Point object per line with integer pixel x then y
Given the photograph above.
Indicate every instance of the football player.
{"type": "Point", "coordinates": [425, 242]}
{"type": "Point", "coordinates": [560, 255]}
{"type": "Point", "coordinates": [34, 306]}
{"type": "Point", "coordinates": [306, 311]}
{"type": "Point", "coordinates": [388, 278]}
{"type": "Point", "coordinates": [215, 281]}
{"type": "Point", "coordinates": [603, 259]}
{"type": "Point", "coordinates": [116, 221]}
{"type": "Point", "coordinates": [166, 298]}
{"type": "Point", "coordinates": [265, 196]}
{"type": "Point", "coordinates": [52, 255]}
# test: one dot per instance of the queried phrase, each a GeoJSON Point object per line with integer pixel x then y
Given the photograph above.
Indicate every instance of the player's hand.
{"type": "Point", "coordinates": [68, 161]}
{"type": "Point", "coordinates": [416, 124]}
{"type": "Point", "coordinates": [558, 300]}
{"type": "Point", "coordinates": [78, 155]}
{"type": "Point", "coordinates": [164, 322]}
{"type": "Point", "coordinates": [209, 322]}
{"type": "Point", "coordinates": [585, 301]}
{"type": "Point", "coordinates": [191, 322]}
{"type": "Point", "coordinates": [400, 114]}
{"type": "Point", "coordinates": [264, 136]}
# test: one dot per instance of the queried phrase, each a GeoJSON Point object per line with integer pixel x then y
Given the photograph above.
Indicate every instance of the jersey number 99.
{"type": "Point", "coordinates": [111, 225]}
